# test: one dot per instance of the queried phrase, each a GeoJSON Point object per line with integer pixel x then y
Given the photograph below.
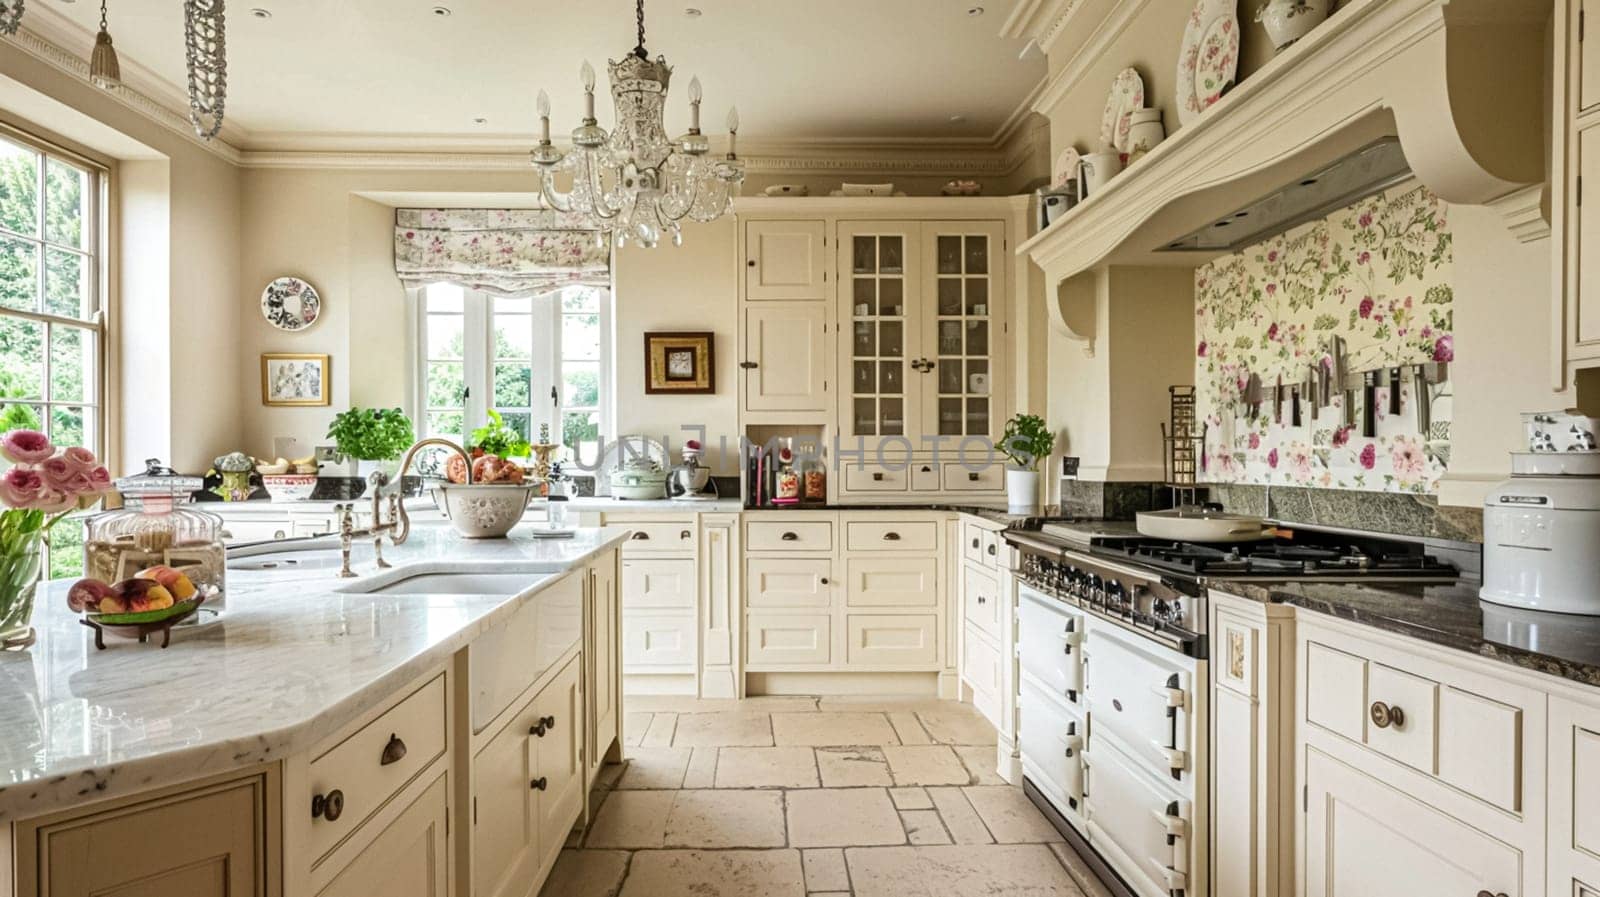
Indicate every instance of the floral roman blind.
{"type": "Point", "coordinates": [504, 251]}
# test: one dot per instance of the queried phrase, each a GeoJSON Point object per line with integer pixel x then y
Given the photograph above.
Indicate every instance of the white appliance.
{"type": "Point", "coordinates": [1541, 534]}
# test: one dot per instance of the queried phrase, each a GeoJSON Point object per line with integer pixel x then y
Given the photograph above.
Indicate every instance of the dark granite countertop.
{"type": "Point", "coordinates": [1451, 616]}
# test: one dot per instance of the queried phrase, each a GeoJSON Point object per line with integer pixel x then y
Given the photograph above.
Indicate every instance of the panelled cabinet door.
{"type": "Point", "coordinates": [1366, 838]}
{"type": "Point", "coordinates": [604, 688]}
{"type": "Point", "coordinates": [785, 260]}
{"type": "Point", "coordinates": [407, 860]}
{"type": "Point", "coordinates": [963, 285]}
{"type": "Point", "coordinates": [880, 270]}
{"type": "Point", "coordinates": [504, 820]}
{"type": "Point", "coordinates": [1588, 64]}
{"type": "Point", "coordinates": [206, 843]}
{"type": "Point", "coordinates": [557, 743]}
{"type": "Point", "coordinates": [787, 345]}
{"type": "Point", "coordinates": [1585, 322]}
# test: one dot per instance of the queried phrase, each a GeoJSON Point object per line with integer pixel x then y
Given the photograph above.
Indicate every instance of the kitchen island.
{"type": "Point", "coordinates": [340, 734]}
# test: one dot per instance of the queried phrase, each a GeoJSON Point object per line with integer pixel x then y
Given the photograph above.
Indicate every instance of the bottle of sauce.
{"type": "Point", "coordinates": [786, 485]}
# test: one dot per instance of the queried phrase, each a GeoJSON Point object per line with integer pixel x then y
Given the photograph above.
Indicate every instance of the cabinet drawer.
{"type": "Point", "coordinates": [370, 766]}
{"type": "Point", "coordinates": [873, 535]}
{"type": "Point", "coordinates": [788, 639]}
{"type": "Point", "coordinates": [871, 478]}
{"type": "Point", "coordinates": [788, 535]}
{"type": "Point", "coordinates": [980, 668]}
{"type": "Point", "coordinates": [959, 477]}
{"type": "Point", "coordinates": [991, 548]}
{"type": "Point", "coordinates": [788, 582]}
{"type": "Point", "coordinates": [892, 640]}
{"type": "Point", "coordinates": [1051, 739]}
{"type": "Point", "coordinates": [1409, 736]}
{"type": "Point", "coordinates": [1336, 691]}
{"type": "Point", "coordinates": [891, 582]}
{"type": "Point", "coordinates": [972, 542]}
{"type": "Point", "coordinates": [657, 537]}
{"type": "Point", "coordinates": [407, 857]}
{"type": "Point", "coordinates": [1585, 747]}
{"type": "Point", "coordinates": [980, 600]}
{"type": "Point", "coordinates": [1480, 747]}
{"type": "Point", "coordinates": [657, 641]}
{"type": "Point", "coordinates": [924, 477]}
{"type": "Point", "coordinates": [658, 583]}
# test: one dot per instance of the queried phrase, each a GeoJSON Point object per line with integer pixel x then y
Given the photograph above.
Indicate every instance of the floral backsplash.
{"type": "Point", "coordinates": [1378, 274]}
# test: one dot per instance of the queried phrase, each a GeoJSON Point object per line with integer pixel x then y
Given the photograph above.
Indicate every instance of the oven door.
{"type": "Point", "coordinates": [1144, 693]}
{"type": "Point", "coordinates": [1052, 738]}
{"type": "Point", "coordinates": [1138, 824]}
{"type": "Point", "coordinates": [1050, 643]}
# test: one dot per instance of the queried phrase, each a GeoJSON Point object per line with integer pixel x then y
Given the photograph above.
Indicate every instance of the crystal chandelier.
{"type": "Point", "coordinates": [636, 183]}
{"type": "Point", "coordinates": [10, 16]}
{"type": "Point", "coordinates": [205, 51]}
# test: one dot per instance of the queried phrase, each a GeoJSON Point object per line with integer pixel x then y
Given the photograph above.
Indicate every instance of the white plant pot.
{"type": "Point", "coordinates": [365, 469]}
{"type": "Point", "coordinates": [1022, 491]}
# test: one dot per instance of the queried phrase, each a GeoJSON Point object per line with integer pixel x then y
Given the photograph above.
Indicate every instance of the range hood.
{"type": "Point", "coordinates": [1369, 170]}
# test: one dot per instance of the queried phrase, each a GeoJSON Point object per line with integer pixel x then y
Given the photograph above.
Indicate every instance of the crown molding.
{"type": "Point", "coordinates": [1105, 33]}
{"type": "Point", "coordinates": [1041, 21]}
{"type": "Point", "coordinates": [1523, 211]}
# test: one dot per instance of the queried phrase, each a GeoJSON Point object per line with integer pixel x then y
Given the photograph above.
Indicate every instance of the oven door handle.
{"type": "Point", "coordinates": [1173, 698]}
{"type": "Point", "coordinates": [1168, 877]}
{"type": "Point", "coordinates": [1177, 761]}
{"type": "Point", "coordinates": [1175, 826]}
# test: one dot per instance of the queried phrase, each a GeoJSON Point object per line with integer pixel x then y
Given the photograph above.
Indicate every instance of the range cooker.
{"type": "Point", "coordinates": [1113, 682]}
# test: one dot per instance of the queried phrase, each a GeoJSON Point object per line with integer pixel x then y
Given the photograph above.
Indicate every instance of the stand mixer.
{"type": "Point", "coordinates": [691, 480]}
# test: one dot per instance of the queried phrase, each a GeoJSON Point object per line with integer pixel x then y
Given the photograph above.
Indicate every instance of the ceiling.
{"type": "Point", "coordinates": [387, 72]}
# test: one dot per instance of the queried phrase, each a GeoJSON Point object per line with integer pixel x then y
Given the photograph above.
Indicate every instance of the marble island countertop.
{"type": "Point", "coordinates": [290, 661]}
{"type": "Point", "coordinates": [1452, 616]}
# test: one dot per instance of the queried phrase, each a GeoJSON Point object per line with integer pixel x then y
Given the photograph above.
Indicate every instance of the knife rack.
{"type": "Point", "coordinates": [1183, 438]}
{"type": "Point", "coordinates": [1315, 392]}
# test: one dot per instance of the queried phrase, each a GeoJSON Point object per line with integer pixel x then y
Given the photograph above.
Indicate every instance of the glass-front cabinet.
{"type": "Point", "coordinates": [923, 327]}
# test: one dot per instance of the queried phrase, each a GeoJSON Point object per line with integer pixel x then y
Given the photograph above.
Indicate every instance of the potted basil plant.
{"type": "Point", "coordinates": [371, 438]}
{"type": "Point", "coordinates": [1026, 442]}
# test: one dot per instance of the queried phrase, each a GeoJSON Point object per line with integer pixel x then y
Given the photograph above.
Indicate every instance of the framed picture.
{"type": "Point", "coordinates": [294, 379]}
{"type": "Point", "coordinates": [680, 363]}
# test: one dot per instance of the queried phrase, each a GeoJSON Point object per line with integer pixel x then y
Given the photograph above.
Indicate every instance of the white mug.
{"type": "Point", "coordinates": [1096, 170]}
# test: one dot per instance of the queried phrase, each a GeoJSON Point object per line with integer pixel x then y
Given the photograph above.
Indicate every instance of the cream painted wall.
{"type": "Point", "coordinates": [187, 417]}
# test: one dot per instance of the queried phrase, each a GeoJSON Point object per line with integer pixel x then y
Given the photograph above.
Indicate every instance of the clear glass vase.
{"type": "Point", "coordinates": [19, 577]}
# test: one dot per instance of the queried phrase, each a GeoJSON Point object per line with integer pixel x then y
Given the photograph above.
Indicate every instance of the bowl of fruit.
{"type": "Point", "coordinates": [153, 600]}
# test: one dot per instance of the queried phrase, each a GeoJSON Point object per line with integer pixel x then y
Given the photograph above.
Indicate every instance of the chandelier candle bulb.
{"type": "Point", "coordinates": [544, 117]}
{"type": "Point", "coordinates": [694, 105]}
{"type": "Point", "coordinates": [588, 91]}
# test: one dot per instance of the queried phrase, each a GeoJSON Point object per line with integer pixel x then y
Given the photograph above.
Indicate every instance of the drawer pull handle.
{"type": "Point", "coordinates": [891, 537]}
{"type": "Point", "coordinates": [684, 534]}
{"type": "Point", "coordinates": [329, 806]}
{"type": "Point", "coordinates": [877, 476]}
{"type": "Point", "coordinates": [545, 724]}
{"type": "Point", "coordinates": [749, 365]}
{"type": "Point", "coordinates": [790, 537]}
{"type": "Point", "coordinates": [974, 543]}
{"type": "Point", "coordinates": [982, 600]}
{"type": "Point", "coordinates": [972, 477]}
{"type": "Point", "coordinates": [393, 752]}
{"type": "Point", "coordinates": [1503, 894]}
{"type": "Point", "coordinates": [991, 551]}
{"type": "Point", "coordinates": [823, 580]}
{"type": "Point", "coordinates": [1383, 715]}
{"type": "Point", "coordinates": [539, 784]}
{"type": "Point", "coordinates": [641, 537]}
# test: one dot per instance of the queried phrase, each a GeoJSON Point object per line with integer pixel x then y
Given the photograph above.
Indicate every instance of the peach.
{"type": "Point", "coordinates": [86, 594]}
{"type": "Point", "coordinates": [174, 581]}
{"type": "Point", "coordinates": [112, 604]}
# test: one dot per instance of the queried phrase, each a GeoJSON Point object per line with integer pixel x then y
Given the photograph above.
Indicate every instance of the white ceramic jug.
{"type": "Point", "coordinates": [1096, 170]}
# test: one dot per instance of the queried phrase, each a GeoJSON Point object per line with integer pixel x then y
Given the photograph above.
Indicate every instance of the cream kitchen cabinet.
{"type": "Point", "coordinates": [986, 610]}
{"type": "Point", "coordinates": [659, 594]}
{"type": "Point", "coordinates": [785, 363]}
{"type": "Point", "coordinates": [920, 359]}
{"type": "Point", "coordinates": [1422, 771]}
{"type": "Point", "coordinates": [1252, 747]}
{"type": "Point", "coordinates": [409, 858]}
{"type": "Point", "coordinates": [1574, 794]}
{"type": "Point", "coordinates": [1575, 231]}
{"type": "Point", "coordinates": [215, 838]}
{"type": "Point", "coordinates": [602, 664]}
{"type": "Point", "coordinates": [786, 260]}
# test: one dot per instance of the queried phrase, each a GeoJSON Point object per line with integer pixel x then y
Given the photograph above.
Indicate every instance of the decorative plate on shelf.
{"type": "Point", "coordinates": [291, 304]}
{"type": "Point", "coordinates": [1066, 169]}
{"type": "Point", "coordinates": [1208, 61]}
{"type": "Point", "coordinates": [1127, 95]}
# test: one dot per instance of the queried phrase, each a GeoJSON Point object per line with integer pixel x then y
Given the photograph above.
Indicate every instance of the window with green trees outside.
{"type": "Point", "coordinates": [51, 324]}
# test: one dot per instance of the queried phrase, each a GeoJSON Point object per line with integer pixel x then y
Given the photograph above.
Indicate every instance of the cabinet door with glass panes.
{"type": "Point", "coordinates": [963, 326]}
{"type": "Point", "coordinates": [880, 315]}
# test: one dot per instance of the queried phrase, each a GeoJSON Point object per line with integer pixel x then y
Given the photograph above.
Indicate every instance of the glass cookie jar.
{"type": "Point", "coordinates": [158, 526]}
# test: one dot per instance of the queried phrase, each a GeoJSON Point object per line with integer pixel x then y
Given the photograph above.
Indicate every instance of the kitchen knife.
{"type": "Point", "coordinates": [1252, 395]}
{"type": "Point", "coordinates": [1294, 406]}
{"type": "Point", "coordinates": [1369, 404]}
{"type": "Point", "coordinates": [1277, 401]}
{"type": "Point", "coordinates": [1394, 390]}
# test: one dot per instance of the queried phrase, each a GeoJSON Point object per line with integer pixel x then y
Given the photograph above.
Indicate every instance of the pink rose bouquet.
{"type": "Point", "coordinates": [40, 487]}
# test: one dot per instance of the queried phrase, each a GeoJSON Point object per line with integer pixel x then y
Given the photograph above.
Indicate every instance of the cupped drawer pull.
{"type": "Point", "coordinates": [393, 752]}
{"type": "Point", "coordinates": [790, 536]}
{"type": "Point", "coordinates": [1383, 715]}
{"type": "Point", "coordinates": [641, 537]}
{"type": "Point", "coordinates": [891, 536]}
{"type": "Point", "coordinates": [684, 534]}
{"type": "Point", "coordinates": [328, 806]}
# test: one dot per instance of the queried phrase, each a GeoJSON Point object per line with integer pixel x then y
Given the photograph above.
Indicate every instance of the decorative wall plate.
{"type": "Point", "coordinates": [291, 304]}
{"type": "Point", "coordinates": [1066, 169]}
{"type": "Point", "coordinates": [1127, 95]}
{"type": "Point", "coordinates": [1213, 28]}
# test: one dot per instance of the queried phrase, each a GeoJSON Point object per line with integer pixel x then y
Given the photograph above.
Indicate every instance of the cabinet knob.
{"type": "Point", "coordinates": [751, 263]}
{"type": "Point", "coordinates": [1383, 716]}
{"type": "Point", "coordinates": [329, 806]}
{"type": "Point", "coordinates": [823, 580]}
{"type": "Point", "coordinates": [539, 784]}
{"type": "Point", "coordinates": [749, 365]}
{"type": "Point", "coordinates": [393, 752]}
{"type": "Point", "coordinates": [972, 476]}
{"type": "Point", "coordinates": [982, 600]}
{"type": "Point", "coordinates": [545, 724]}
{"type": "Point", "coordinates": [877, 476]}
{"type": "Point", "coordinates": [991, 551]}
{"type": "Point", "coordinates": [974, 543]}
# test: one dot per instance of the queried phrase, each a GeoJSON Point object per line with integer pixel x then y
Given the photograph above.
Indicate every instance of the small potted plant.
{"type": "Point", "coordinates": [1026, 442]}
{"type": "Point", "coordinates": [495, 438]}
{"type": "Point", "coordinates": [373, 438]}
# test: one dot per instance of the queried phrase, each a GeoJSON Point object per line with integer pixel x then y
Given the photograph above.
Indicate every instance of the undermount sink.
{"type": "Point", "coordinates": [317, 553]}
{"type": "Point", "coordinates": [446, 579]}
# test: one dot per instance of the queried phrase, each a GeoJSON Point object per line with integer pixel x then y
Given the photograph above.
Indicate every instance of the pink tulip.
{"type": "Point", "coordinates": [25, 446]}
{"type": "Point", "coordinates": [22, 487]}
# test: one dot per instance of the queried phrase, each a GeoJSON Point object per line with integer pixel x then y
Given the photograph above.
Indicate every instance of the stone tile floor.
{"type": "Point", "coordinates": [803, 796]}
